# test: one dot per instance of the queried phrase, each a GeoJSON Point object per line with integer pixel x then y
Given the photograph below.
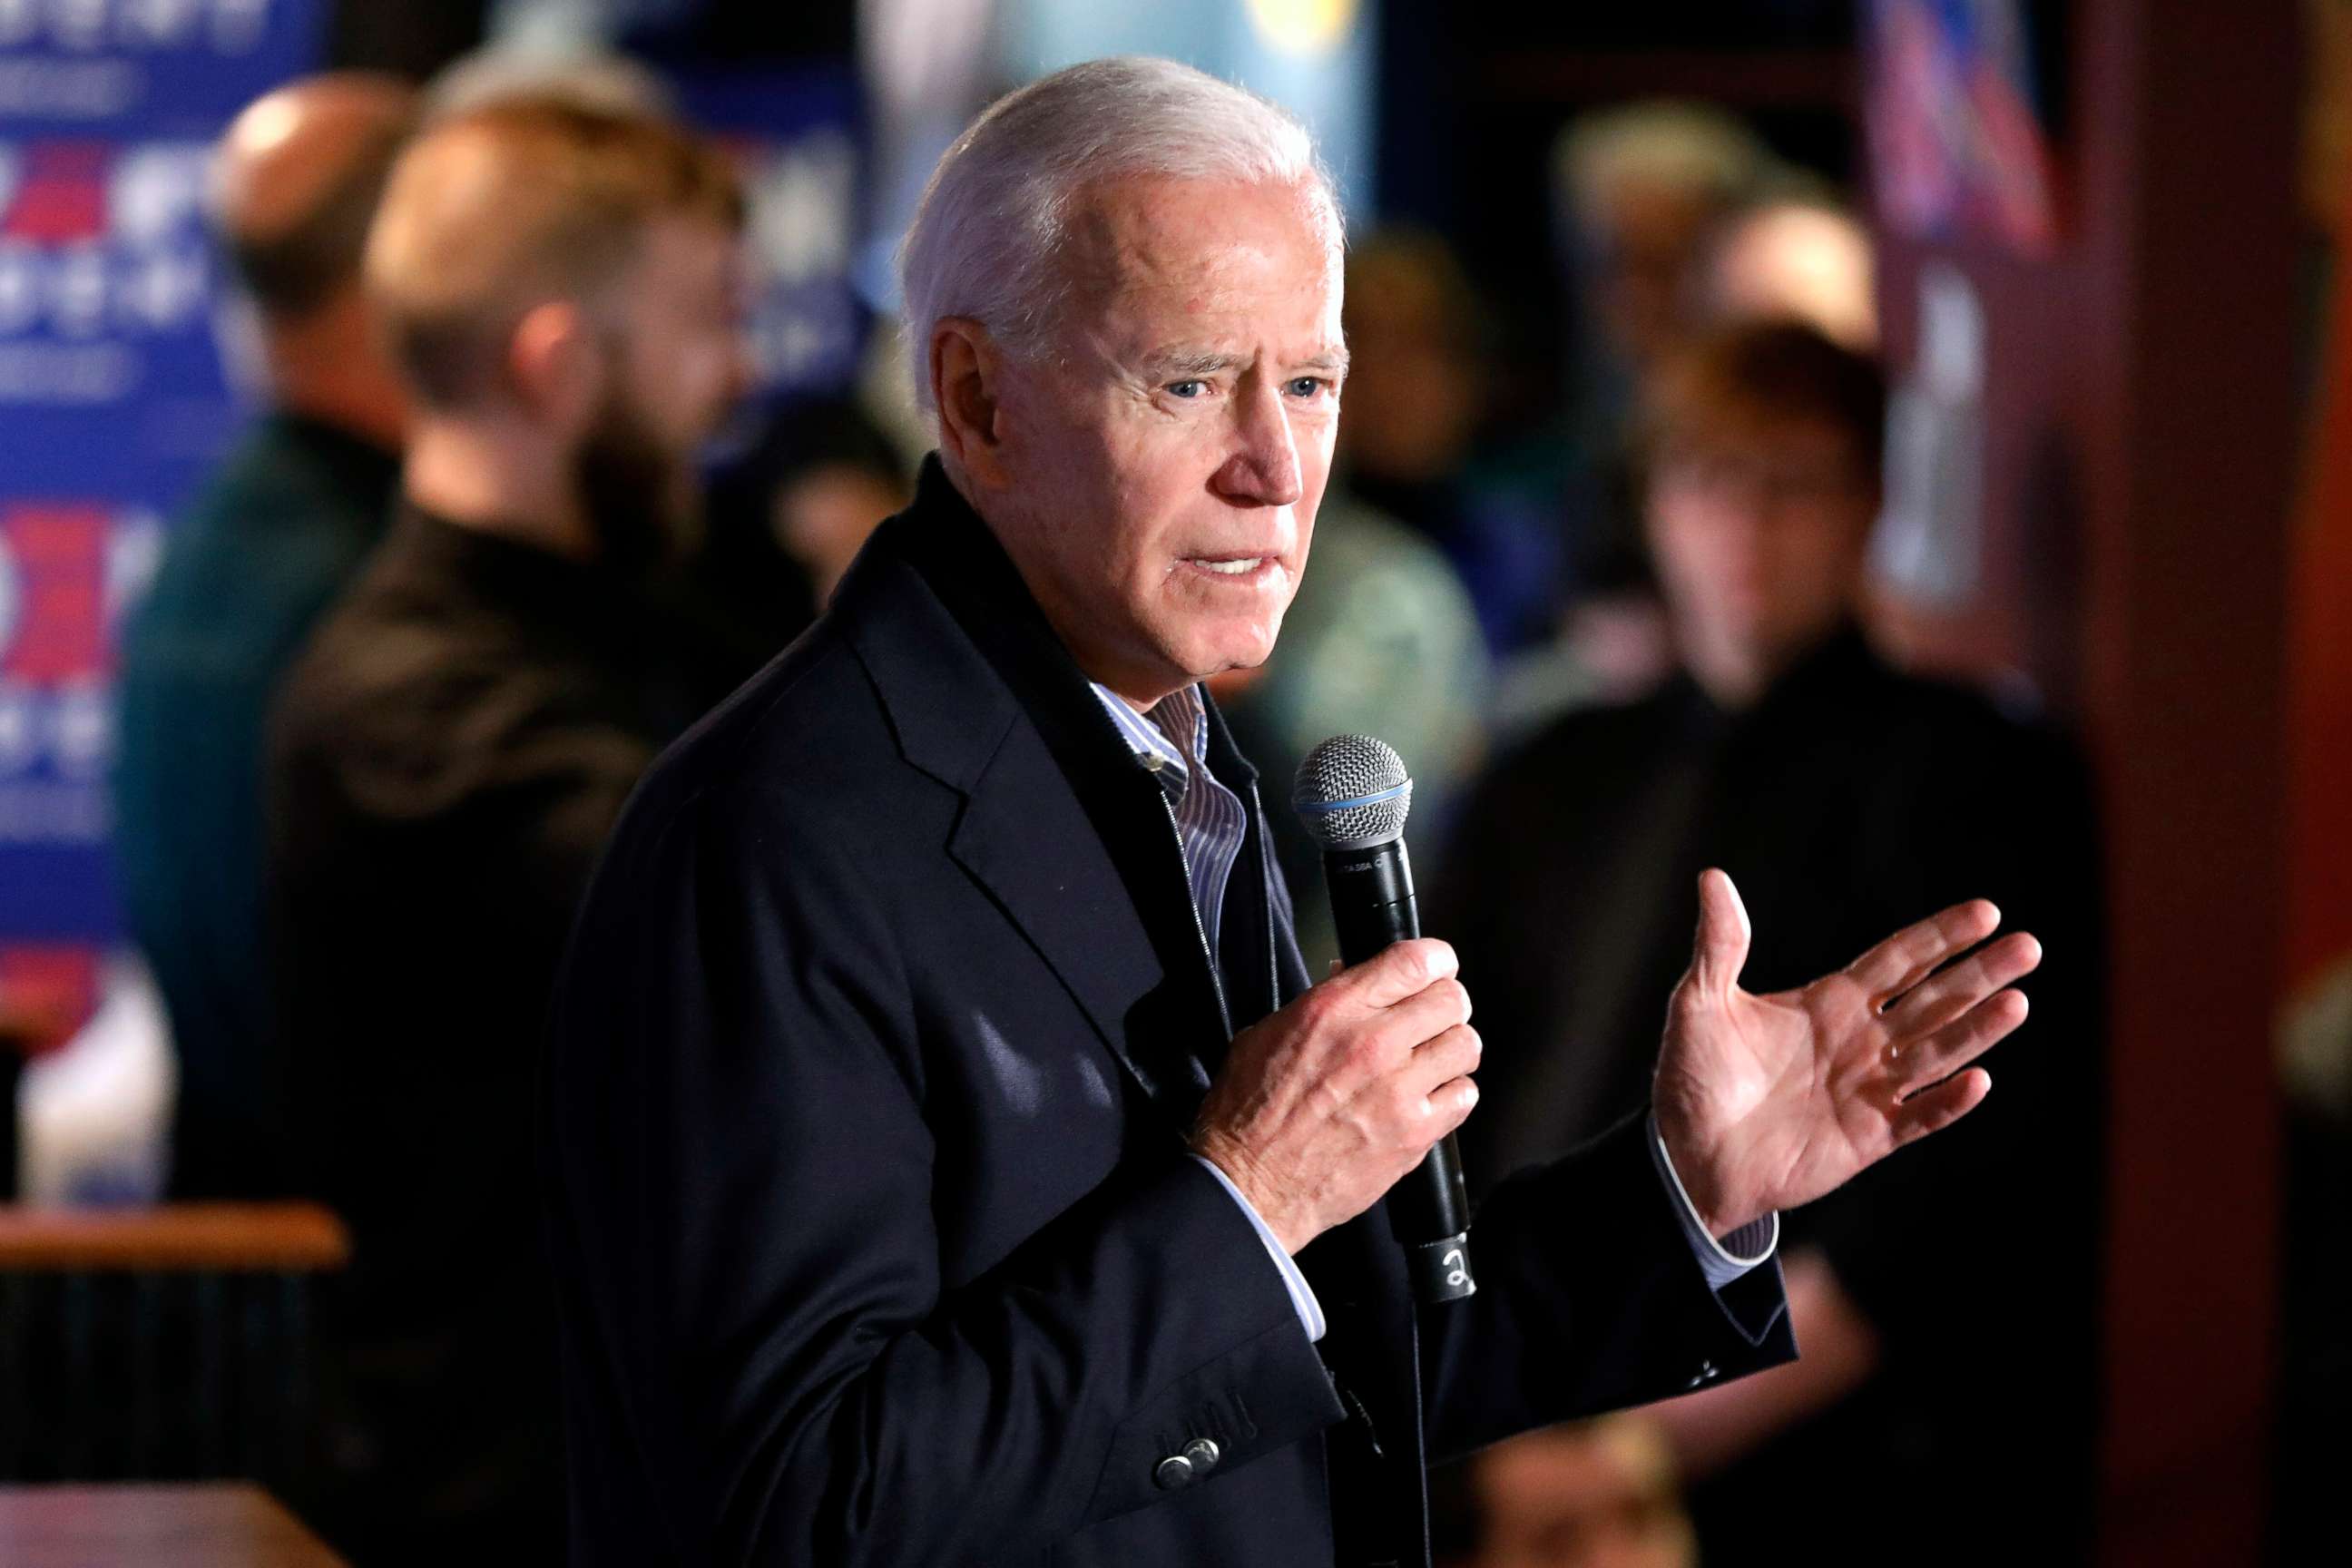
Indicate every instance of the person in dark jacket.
{"type": "Point", "coordinates": [948, 1160]}
{"type": "Point", "coordinates": [1945, 1306]}
{"type": "Point", "coordinates": [448, 755]}
{"type": "Point", "coordinates": [275, 534]}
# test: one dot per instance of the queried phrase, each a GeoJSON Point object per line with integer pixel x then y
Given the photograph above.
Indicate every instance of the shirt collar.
{"type": "Point", "coordinates": [1149, 737]}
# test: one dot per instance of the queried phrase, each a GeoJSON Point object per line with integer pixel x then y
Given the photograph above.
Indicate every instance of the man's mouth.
{"type": "Point", "coordinates": [1233, 566]}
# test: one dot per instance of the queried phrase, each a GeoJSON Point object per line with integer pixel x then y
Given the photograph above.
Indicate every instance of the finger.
{"type": "Point", "coordinates": [1911, 955]}
{"type": "Point", "coordinates": [1450, 1105]}
{"type": "Point", "coordinates": [1400, 969]}
{"type": "Point", "coordinates": [1452, 1054]}
{"type": "Point", "coordinates": [1369, 1047]}
{"type": "Point", "coordinates": [1391, 1038]}
{"type": "Point", "coordinates": [1933, 1110]}
{"type": "Point", "coordinates": [1720, 950]}
{"type": "Point", "coordinates": [1937, 1001]}
{"type": "Point", "coordinates": [1418, 1117]}
{"type": "Point", "coordinates": [1424, 1014]}
{"type": "Point", "coordinates": [1937, 1056]}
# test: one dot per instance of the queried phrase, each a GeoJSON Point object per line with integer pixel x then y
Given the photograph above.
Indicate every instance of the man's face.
{"type": "Point", "coordinates": [1413, 397]}
{"type": "Point", "coordinates": [1759, 542]}
{"type": "Point", "coordinates": [1646, 237]}
{"type": "Point", "coordinates": [822, 516]}
{"type": "Point", "coordinates": [1163, 464]}
{"type": "Point", "coordinates": [675, 367]}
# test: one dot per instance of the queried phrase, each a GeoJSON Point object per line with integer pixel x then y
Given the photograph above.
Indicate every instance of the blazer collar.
{"type": "Point", "coordinates": [953, 551]}
{"type": "Point", "coordinates": [1062, 826]}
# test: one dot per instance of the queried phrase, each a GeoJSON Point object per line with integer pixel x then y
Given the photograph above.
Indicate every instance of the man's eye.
{"type": "Point", "coordinates": [1187, 388]}
{"type": "Point", "coordinates": [1306, 385]}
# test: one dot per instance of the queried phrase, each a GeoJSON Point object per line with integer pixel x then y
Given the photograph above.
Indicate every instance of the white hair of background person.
{"type": "Point", "coordinates": [1692, 150]}
{"type": "Point", "coordinates": [987, 239]}
{"type": "Point", "coordinates": [578, 74]}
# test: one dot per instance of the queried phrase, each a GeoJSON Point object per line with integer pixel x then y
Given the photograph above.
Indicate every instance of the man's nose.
{"type": "Point", "coordinates": [1263, 470]}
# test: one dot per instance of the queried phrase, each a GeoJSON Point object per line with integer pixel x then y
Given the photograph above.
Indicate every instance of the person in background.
{"type": "Point", "coordinates": [271, 538]}
{"type": "Point", "coordinates": [836, 477]}
{"type": "Point", "coordinates": [1788, 256]}
{"type": "Point", "coordinates": [1415, 397]}
{"type": "Point", "coordinates": [785, 521]}
{"type": "Point", "coordinates": [559, 287]}
{"type": "Point", "coordinates": [1828, 786]}
{"type": "Point", "coordinates": [1806, 259]}
{"type": "Point", "coordinates": [1599, 1494]}
{"type": "Point", "coordinates": [1639, 193]}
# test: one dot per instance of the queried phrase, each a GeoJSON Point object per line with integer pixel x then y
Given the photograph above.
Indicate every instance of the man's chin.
{"type": "Point", "coordinates": [1231, 656]}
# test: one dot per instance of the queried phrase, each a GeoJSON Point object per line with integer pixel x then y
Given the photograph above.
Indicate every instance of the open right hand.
{"type": "Point", "coordinates": [1325, 1105]}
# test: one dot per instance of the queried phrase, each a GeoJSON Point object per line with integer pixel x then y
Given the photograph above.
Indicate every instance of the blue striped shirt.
{"type": "Point", "coordinates": [1211, 823]}
{"type": "Point", "coordinates": [1212, 826]}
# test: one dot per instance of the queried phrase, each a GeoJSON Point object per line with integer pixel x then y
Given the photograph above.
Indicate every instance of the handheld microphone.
{"type": "Point", "coordinates": [1352, 793]}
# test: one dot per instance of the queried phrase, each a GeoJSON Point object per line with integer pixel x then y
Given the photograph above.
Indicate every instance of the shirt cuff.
{"type": "Point", "coordinates": [1302, 1296]}
{"type": "Point", "coordinates": [1721, 1261]}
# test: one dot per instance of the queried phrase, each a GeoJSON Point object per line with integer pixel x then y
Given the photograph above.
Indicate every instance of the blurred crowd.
{"type": "Point", "coordinates": [413, 642]}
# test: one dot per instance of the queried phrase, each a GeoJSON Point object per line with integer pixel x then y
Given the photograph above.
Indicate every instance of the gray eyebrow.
{"type": "Point", "coordinates": [1169, 365]}
{"type": "Point", "coordinates": [1180, 363]}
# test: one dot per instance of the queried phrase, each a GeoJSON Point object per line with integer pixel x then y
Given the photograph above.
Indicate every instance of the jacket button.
{"type": "Point", "coordinates": [1203, 1454]}
{"type": "Point", "coordinates": [1173, 1473]}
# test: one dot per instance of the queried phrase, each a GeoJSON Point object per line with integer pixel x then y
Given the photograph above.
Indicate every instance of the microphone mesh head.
{"type": "Point", "coordinates": [1352, 792]}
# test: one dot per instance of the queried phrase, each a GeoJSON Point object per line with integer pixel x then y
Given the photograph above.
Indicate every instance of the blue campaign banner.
{"type": "Point", "coordinates": [113, 392]}
{"type": "Point", "coordinates": [116, 331]}
{"type": "Point", "coordinates": [795, 135]}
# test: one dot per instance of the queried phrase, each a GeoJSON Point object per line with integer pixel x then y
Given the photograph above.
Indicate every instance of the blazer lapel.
{"type": "Point", "coordinates": [1026, 839]}
{"type": "Point", "coordinates": [1063, 829]}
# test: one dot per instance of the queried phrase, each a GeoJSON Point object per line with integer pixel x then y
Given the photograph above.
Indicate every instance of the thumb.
{"type": "Point", "coordinates": [1720, 950]}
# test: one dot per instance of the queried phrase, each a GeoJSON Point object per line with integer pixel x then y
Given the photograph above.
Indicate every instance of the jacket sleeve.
{"type": "Point", "coordinates": [744, 1161]}
{"type": "Point", "coordinates": [1589, 1298]}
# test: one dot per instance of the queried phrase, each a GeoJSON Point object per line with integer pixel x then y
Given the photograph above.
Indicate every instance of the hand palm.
{"type": "Point", "coordinates": [1766, 1102]}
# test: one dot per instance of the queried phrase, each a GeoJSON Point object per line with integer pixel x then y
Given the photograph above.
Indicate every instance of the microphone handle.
{"type": "Point", "coordinates": [1372, 906]}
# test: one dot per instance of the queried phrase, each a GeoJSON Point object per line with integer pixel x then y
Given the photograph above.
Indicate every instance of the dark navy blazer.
{"type": "Point", "coordinates": [875, 1236]}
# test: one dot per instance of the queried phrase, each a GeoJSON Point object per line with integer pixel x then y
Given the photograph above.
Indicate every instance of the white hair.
{"type": "Point", "coordinates": [989, 237]}
{"type": "Point", "coordinates": [1691, 149]}
{"type": "Point", "coordinates": [589, 79]}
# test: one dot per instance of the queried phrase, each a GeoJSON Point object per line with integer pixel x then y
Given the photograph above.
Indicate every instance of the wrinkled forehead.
{"type": "Point", "coordinates": [1205, 249]}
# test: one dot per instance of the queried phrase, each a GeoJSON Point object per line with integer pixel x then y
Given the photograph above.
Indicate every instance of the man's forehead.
{"type": "Point", "coordinates": [1147, 232]}
{"type": "Point", "coordinates": [1189, 277]}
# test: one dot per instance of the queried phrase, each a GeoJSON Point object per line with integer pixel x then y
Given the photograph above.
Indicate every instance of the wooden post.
{"type": "Point", "coordinates": [2142, 434]}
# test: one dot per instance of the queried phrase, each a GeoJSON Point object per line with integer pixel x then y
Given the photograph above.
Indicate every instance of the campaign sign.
{"type": "Point", "coordinates": [112, 394]}
{"type": "Point", "coordinates": [792, 135]}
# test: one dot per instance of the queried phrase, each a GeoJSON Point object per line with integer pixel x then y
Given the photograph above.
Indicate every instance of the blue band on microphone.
{"type": "Point", "coordinates": [1324, 807]}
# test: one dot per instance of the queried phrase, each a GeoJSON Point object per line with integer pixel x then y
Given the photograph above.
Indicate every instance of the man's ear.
{"type": "Point", "coordinates": [967, 382]}
{"type": "Point", "coordinates": [554, 367]}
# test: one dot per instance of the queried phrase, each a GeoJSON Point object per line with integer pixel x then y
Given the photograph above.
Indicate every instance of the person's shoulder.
{"type": "Point", "coordinates": [405, 691]}
{"type": "Point", "coordinates": [267, 538]}
{"type": "Point", "coordinates": [2003, 720]}
{"type": "Point", "coordinates": [804, 739]}
{"type": "Point", "coordinates": [1562, 780]}
{"type": "Point", "coordinates": [290, 496]}
{"type": "Point", "coordinates": [1572, 740]}
{"type": "Point", "coordinates": [376, 638]}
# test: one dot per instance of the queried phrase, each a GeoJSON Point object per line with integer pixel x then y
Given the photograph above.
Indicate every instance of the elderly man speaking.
{"type": "Point", "coordinates": [949, 1161]}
